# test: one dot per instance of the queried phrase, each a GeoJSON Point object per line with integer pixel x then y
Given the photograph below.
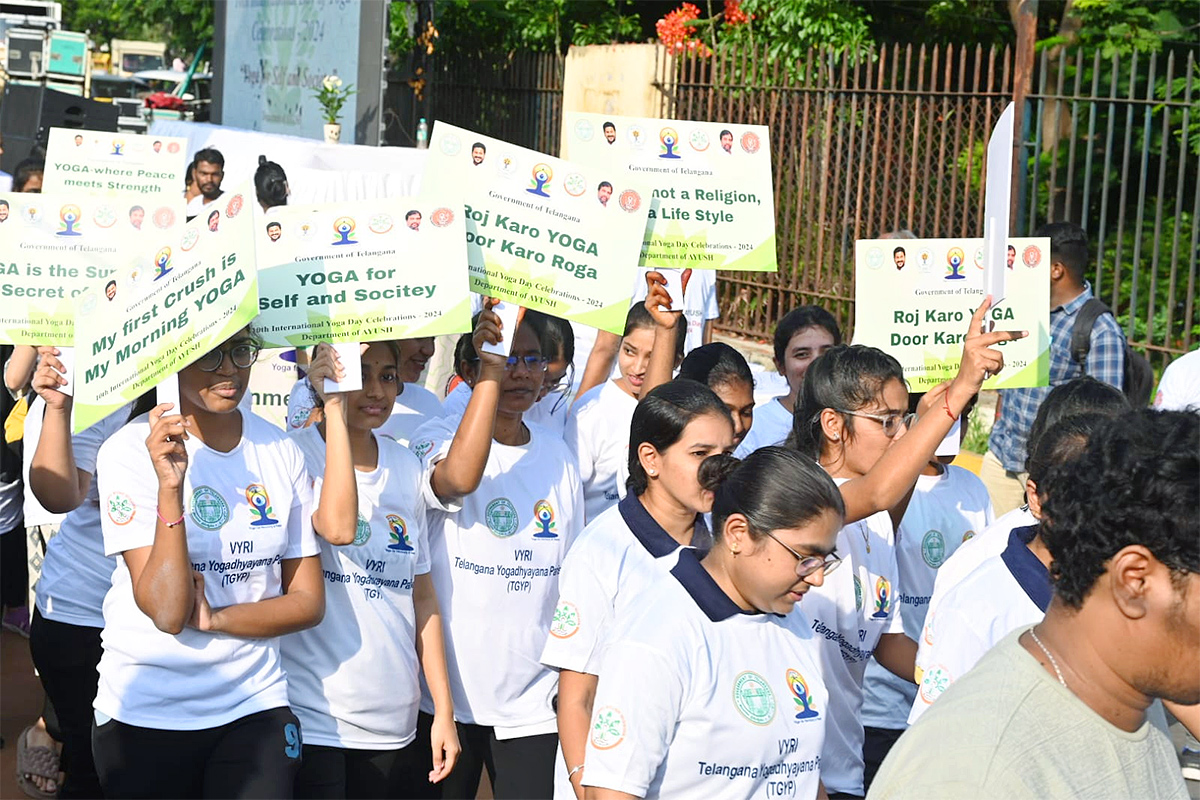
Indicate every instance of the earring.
{"type": "Point", "coordinates": [651, 472]}
{"type": "Point", "coordinates": [837, 437]}
{"type": "Point", "coordinates": [733, 551]}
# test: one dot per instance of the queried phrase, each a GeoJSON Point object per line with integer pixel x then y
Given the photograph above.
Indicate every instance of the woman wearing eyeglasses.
{"type": "Point", "coordinates": [675, 427]}
{"type": "Point", "coordinates": [208, 509]}
{"type": "Point", "coordinates": [852, 417]}
{"type": "Point", "coordinates": [710, 686]}
{"type": "Point", "coordinates": [505, 504]}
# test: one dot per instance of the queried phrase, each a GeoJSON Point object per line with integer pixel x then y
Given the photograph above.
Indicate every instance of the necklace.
{"type": "Point", "coordinates": [862, 528]}
{"type": "Point", "coordinates": [1050, 656]}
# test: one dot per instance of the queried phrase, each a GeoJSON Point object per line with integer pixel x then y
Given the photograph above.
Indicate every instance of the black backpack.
{"type": "Point", "coordinates": [1138, 381]}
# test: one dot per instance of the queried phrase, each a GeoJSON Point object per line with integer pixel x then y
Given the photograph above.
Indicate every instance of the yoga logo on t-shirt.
{"type": "Point", "coordinates": [935, 681]}
{"type": "Point", "coordinates": [543, 514]}
{"type": "Point", "coordinates": [883, 598]}
{"type": "Point", "coordinates": [608, 729]}
{"type": "Point", "coordinates": [209, 509]}
{"type": "Point", "coordinates": [121, 508]}
{"type": "Point", "coordinates": [399, 534]}
{"type": "Point", "coordinates": [260, 504]}
{"type": "Point", "coordinates": [566, 621]}
{"type": "Point", "coordinates": [801, 695]}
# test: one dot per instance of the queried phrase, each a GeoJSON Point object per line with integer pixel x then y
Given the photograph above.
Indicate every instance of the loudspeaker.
{"type": "Point", "coordinates": [29, 112]}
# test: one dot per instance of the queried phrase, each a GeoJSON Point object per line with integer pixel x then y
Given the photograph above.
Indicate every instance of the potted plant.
{"type": "Point", "coordinates": [332, 96]}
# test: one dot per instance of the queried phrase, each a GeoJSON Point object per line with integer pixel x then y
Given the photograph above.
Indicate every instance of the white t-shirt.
{"type": "Point", "coordinates": [76, 574]}
{"type": "Point", "coordinates": [999, 596]}
{"type": "Point", "coordinates": [618, 555]}
{"type": "Point", "coordinates": [550, 412]}
{"type": "Point", "coordinates": [598, 434]}
{"type": "Point", "coordinates": [772, 425]}
{"type": "Point", "coordinates": [849, 612]}
{"type": "Point", "coordinates": [198, 206]}
{"type": "Point", "coordinates": [945, 510]}
{"type": "Point", "coordinates": [367, 639]}
{"type": "Point", "coordinates": [1179, 389]}
{"type": "Point", "coordinates": [33, 511]}
{"type": "Point", "coordinates": [495, 557]}
{"type": "Point", "coordinates": [988, 543]}
{"type": "Point", "coordinates": [697, 699]}
{"type": "Point", "coordinates": [413, 408]}
{"type": "Point", "coordinates": [699, 303]}
{"type": "Point", "coordinates": [246, 511]}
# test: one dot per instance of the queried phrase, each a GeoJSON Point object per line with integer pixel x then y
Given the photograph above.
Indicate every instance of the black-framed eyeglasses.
{"type": "Point", "coordinates": [807, 565]}
{"type": "Point", "coordinates": [531, 363]}
{"type": "Point", "coordinates": [242, 355]}
{"type": "Point", "coordinates": [891, 422]}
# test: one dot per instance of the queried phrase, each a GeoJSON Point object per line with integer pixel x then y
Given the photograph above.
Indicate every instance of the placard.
{"type": "Point", "coordinates": [104, 163]}
{"type": "Point", "coordinates": [541, 232]}
{"type": "Point", "coordinates": [362, 272]}
{"type": "Point", "coordinates": [914, 299]}
{"type": "Point", "coordinates": [202, 290]}
{"type": "Point", "coordinates": [54, 246]}
{"type": "Point", "coordinates": [713, 203]}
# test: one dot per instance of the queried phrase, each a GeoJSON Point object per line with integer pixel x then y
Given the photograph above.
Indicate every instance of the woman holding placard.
{"type": "Point", "coordinates": [382, 626]}
{"type": "Point", "coordinates": [506, 503]}
{"type": "Point", "coordinates": [209, 512]}
{"type": "Point", "coordinates": [852, 417]}
{"type": "Point", "coordinates": [598, 427]}
{"type": "Point", "coordinates": [76, 575]}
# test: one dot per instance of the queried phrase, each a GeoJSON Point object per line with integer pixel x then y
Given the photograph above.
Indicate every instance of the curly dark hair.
{"type": "Point", "coordinates": [1138, 482]}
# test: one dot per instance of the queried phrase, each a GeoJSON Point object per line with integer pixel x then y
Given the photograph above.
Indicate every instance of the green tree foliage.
{"type": "Point", "coordinates": [183, 25]}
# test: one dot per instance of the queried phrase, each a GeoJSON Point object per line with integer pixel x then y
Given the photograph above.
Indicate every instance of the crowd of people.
{"type": "Point", "coordinates": [597, 569]}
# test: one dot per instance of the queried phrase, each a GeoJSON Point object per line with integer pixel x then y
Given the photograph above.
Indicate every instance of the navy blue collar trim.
{"type": "Point", "coordinates": [1031, 575]}
{"type": "Point", "coordinates": [646, 529]}
{"type": "Point", "coordinates": [715, 604]}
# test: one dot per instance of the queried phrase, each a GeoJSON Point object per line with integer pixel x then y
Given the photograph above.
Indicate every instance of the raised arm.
{"type": "Point", "coordinates": [55, 480]}
{"type": "Point", "coordinates": [20, 367]}
{"type": "Point", "coordinates": [459, 473]}
{"type": "Point", "coordinates": [336, 516]}
{"type": "Point", "coordinates": [888, 484]}
{"type": "Point", "coordinates": [659, 303]}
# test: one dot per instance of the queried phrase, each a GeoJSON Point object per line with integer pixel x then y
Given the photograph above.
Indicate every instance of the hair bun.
{"type": "Point", "coordinates": [262, 160]}
{"type": "Point", "coordinates": [714, 470]}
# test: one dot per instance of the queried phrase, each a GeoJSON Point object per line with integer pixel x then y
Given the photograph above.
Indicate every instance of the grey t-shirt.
{"type": "Point", "coordinates": [1008, 729]}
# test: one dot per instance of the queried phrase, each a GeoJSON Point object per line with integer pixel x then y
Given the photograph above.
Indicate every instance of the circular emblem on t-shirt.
{"type": "Point", "coordinates": [935, 681]}
{"type": "Point", "coordinates": [608, 729]}
{"type": "Point", "coordinates": [362, 531]}
{"type": "Point", "coordinates": [209, 509]}
{"type": "Point", "coordinates": [753, 698]}
{"type": "Point", "coordinates": [121, 508]}
{"type": "Point", "coordinates": [422, 447]}
{"type": "Point", "coordinates": [933, 548]}
{"type": "Point", "coordinates": [857, 594]}
{"type": "Point", "coordinates": [501, 517]}
{"type": "Point", "coordinates": [566, 621]}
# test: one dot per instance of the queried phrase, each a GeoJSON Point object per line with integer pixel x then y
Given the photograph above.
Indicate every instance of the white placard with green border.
{"type": "Point", "coordinates": [100, 162]}
{"type": "Point", "coordinates": [363, 271]}
{"type": "Point", "coordinates": [714, 205]}
{"type": "Point", "coordinates": [54, 246]}
{"type": "Point", "coordinates": [914, 299]}
{"type": "Point", "coordinates": [203, 289]}
{"type": "Point", "coordinates": [542, 232]}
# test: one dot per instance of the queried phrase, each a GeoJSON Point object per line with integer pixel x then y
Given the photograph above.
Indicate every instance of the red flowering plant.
{"type": "Point", "coordinates": [678, 30]}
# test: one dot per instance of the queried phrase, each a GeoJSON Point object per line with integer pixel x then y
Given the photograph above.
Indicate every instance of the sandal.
{"type": "Point", "coordinates": [40, 761]}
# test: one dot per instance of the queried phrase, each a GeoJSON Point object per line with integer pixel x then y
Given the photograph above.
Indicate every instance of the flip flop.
{"type": "Point", "coordinates": [41, 761]}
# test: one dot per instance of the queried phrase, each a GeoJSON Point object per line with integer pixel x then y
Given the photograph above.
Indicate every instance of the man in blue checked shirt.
{"type": "Point", "coordinates": [1003, 470]}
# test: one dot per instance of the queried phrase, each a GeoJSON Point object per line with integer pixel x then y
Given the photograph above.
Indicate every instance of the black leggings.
{"type": "Point", "coordinates": [519, 769]}
{"type": "Point", "coordinates": [65, 657]}
{"type": "Point", "coordinates": [255, 756]}
{"type": "Point", "coordinates": [14, 567]}
{"type": "Point", "coordinates": [336, 772]}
